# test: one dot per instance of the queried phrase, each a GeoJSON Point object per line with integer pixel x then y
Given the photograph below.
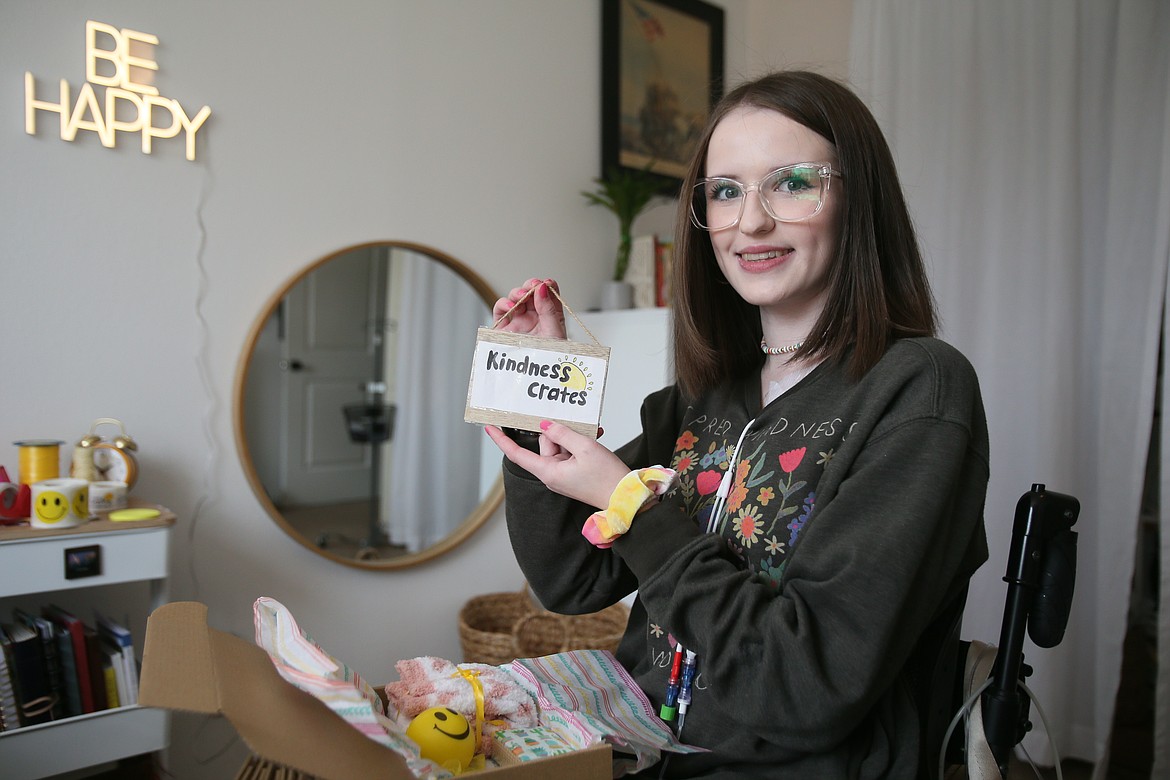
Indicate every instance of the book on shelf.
{"type": "Point", "coordinates": [71, 692]}
{"type": "Point", "coordinates": [76, 629]}
{"type": "Point", "coordinates": [44, 630]}
{"type": "Point", "coordinates": [96, 659]}
{"type": "Point", "coordinates": [26, 664]}
{"type": "Point", "coordinates": [9, 714]}
{"type": "Point", "coordinates": [114, 669]}
{"type": "Point", "coordinates": [662, 269]}
{"type": "Point", "coordinates": [120, 637]}
{"type": "Point", "coordinates": [111, 672]}
{"type": "Point", "coordinates": [649, 271]}
{"type": "Point", "coordinates": [640, 270]}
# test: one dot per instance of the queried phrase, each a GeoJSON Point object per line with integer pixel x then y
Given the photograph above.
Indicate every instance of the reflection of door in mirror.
{"type": "Point", "coordinates": [330, 355]}
{"type": "Point", "coordinates": [351, 404]}
{"type": "Point", "coordinates": [315, 355]}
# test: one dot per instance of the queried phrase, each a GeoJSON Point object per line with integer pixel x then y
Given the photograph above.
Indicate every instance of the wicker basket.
{"type": "Point", "coordinates": [600, 630]}
{"type": "Point", "coordinates": [540, 633]}
{"type": "Point", "coordinates": [256, 768]}
{"type": "Point", "coordinates": [545, 633]}
{"type": "Point", "coordinates": [496, 628]}
{"type": "Point", "coordinates": [485, 626]}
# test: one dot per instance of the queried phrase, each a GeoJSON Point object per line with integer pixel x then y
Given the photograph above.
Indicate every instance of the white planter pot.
{"type": "Point", "coordinates": [617, 295]}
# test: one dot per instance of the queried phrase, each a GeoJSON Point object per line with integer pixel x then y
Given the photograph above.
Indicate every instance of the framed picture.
{"type": "Point", "coordinates": [83, 562]}
{"type": "Point", "coordinates": [661, 73]}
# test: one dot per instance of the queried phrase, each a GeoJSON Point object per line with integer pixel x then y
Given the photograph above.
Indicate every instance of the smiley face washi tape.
{"type": "Point", "coordinates": [60, 503]}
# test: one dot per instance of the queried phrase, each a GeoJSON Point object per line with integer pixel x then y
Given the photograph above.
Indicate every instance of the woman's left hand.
{"type": "Point", "coordinates": [569, 463]}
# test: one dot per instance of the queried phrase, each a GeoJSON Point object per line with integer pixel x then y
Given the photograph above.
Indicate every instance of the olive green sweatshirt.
{"type": "Point", "coordinates": [853, 514]}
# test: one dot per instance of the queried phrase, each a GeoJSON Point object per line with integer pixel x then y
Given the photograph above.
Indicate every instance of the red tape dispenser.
{"type": "Point", "coordinates": [15, 500]}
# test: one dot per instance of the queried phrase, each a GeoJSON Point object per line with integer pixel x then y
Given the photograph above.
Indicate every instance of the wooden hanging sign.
{"type": "Point", "coordinates": [519, 380]}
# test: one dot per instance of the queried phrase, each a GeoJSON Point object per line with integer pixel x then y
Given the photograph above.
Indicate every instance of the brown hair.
{"type": "Point", "coordinates": [878, 289]}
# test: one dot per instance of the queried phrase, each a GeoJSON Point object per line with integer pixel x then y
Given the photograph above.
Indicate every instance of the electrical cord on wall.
{"type": "Point", "coordinates": [208, 471]}
{"type": "Point", "coordinates": [201, 362]}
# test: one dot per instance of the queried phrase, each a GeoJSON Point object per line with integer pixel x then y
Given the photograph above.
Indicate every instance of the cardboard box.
{"type": "Point", "coordinates": [187, 665]}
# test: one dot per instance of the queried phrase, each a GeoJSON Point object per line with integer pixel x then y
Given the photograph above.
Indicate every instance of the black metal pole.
{"type": "Point", "coordinates": [1043, 519]}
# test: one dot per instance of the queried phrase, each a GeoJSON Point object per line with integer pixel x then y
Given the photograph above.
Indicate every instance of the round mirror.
{"type": "Point", "coordinates": [349, 404]}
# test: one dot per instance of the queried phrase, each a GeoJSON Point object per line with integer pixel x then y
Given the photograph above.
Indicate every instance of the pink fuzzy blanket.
{"type": "Point", "coordinates": [434, 682]}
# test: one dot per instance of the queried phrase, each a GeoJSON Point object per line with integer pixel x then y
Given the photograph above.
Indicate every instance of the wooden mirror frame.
{"type": "Point", "coordinates": [470, 525]}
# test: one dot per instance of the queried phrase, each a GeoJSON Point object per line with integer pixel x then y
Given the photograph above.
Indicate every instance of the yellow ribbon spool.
{"type": "Point", "coordinates": [39, 459]}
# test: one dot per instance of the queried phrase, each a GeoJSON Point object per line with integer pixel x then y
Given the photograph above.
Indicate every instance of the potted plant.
{"type": "Point", "coordinates": [626, 192]}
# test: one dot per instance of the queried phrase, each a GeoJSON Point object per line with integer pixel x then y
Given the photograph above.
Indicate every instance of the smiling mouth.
{"type": "Point", "coordinates": [466, 731]}
{"type": "Point", "coordinates": [772, 254]}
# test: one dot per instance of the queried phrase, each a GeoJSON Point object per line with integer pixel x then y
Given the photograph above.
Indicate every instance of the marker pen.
{"type": "Point", "coordinates": [684, 694]}
{"type": "Point", "coordinates": [669, 707]}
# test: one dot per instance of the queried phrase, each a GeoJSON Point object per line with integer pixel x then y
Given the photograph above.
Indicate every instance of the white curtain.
{"type": "Point", "coordinates": [437, 317]}
{"type": "Point", "coordinates": [1034, 144]}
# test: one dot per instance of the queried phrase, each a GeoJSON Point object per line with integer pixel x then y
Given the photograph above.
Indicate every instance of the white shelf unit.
{"type": "Point", "coordinates": [639, 363]}
{"type": "Point", "coordinates": [35, 563]}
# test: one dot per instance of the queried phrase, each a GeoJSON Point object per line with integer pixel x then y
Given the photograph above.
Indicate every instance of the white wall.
{"type": "Point", "coordinates": [130, 281]}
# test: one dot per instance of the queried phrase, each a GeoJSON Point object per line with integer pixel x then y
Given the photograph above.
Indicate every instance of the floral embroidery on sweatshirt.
{"type": "Point", "coordinates": [770, 498]}
{"type": "Point", "coordinates": [799, 522]}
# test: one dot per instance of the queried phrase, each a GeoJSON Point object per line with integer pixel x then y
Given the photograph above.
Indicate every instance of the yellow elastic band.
{"type": "Point", "coordinates": [476, 686]}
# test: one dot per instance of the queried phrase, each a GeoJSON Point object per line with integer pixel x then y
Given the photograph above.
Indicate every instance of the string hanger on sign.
{"type": "Point", "coordinates": [566, 307]}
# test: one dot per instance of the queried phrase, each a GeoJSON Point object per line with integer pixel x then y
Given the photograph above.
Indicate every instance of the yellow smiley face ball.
{"type": "Point", "coordinates": [51, 507]}
{"type": "Point", "coordinates": [443, 736]}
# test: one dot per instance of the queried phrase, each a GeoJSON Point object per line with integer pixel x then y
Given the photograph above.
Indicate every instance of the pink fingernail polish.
{"type": "Point", "coordinates": [544, 425]}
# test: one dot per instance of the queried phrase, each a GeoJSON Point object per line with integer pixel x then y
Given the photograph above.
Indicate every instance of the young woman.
{"type": "Point", "coordinates": [830, 455]}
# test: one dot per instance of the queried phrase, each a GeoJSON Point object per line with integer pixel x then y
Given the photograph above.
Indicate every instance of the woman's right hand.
{"type": "Point", "coordinates": [540, 314]}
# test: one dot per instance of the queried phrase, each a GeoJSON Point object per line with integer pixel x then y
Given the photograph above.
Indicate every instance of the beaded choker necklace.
{"type": "Point", "coordinates": [785, 350]}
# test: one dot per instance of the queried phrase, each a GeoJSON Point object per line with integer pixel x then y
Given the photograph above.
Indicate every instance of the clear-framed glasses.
{"type": "Point", "coordinates": [789, 194]}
